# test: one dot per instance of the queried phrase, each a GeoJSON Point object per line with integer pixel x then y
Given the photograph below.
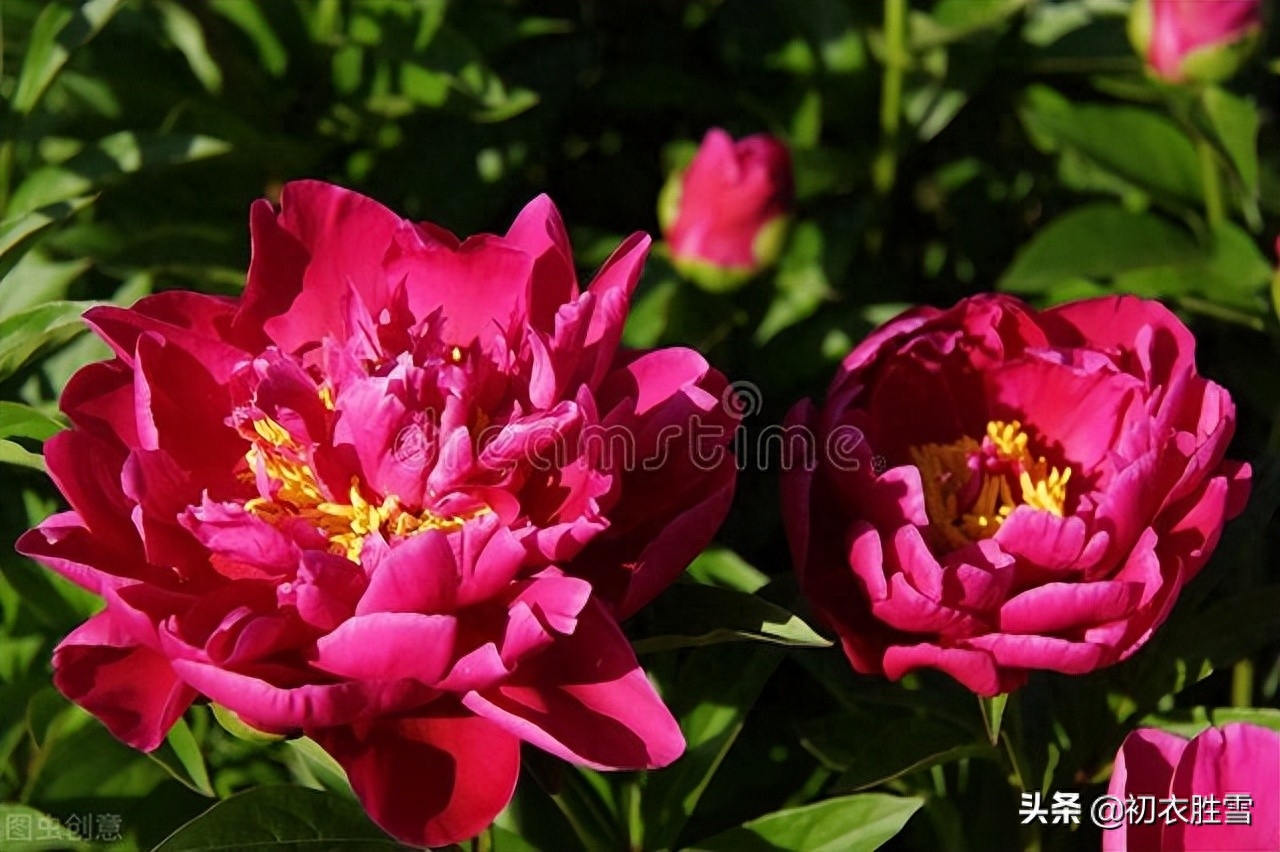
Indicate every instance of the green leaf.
{"type": "Point", "coordinates": [283, 819]}
{"type": "Point", "coordinates": [183, 29]}
{"type": "Point", "coordinates": [1136, 144]}
{"type": "Point", "coordinates": [715, 689]}
{"type": "Point", "coordinates": [35, 330]}
{"type": "Point", "coordinates": [993, 715]}
{"type": "Point", "coordinates": [20, 826]}
{"type": "Point", "coordinates": [36, 279]}
{"type": "Point", "coordinates": [181, 757]}
{"type": "Point", "coordinates": [800, 285]}
{"type": "Point", "coordinates": [234, 725]}
{"type": "Point", "coordinates": [1235, 122]}
{"type": "Point", "coordinates": [1188, 722]}
{"type": "Point", "coordinates": [22, 421]}
{"type": "Point", "coordinates": [860, 823]}
{"type": "Point", "coordinates": [592, 818]}
{"type": "Point", "coordinates": [86, 762]}
{"type": "Point", "coordinates": [316, 767]}
{"type": "Point", "coordinates": [18, 455]}
{"type": "Point", "coordinates": [126, 152]}
{"type": "Point", "coordinates": [57, 33]}
{"type": "Point", "coordinates": [19, 233]}
{"type": "Point", "coordinates": [1231, 271]}
{"type": "Point", "coordinates": [720, 566]}
{"type": "Point", "coordinates": [873, 748]}
{"type": "Point", "coordinates": [650, 313]}
{"type": "Point", "coordinates": [688, 615]}
{"type": "Point", "coordinates": [1097, 241]}
{"type": "Point", "coordinates": [953, 20]}
{"type": "Point", "coordinates": [250, 19]}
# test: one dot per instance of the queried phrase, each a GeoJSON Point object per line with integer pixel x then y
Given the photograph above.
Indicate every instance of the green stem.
{"type": "Point", "coordinates": [6, 167]}
{"type": "Point", "coordinates": [632, 813]}
{"type": "Point", "coordinates": [884, 171]}
{"type": "Point", "coordinates": [1213, 206]}
{"type": "Point", "coordinates": [1242, 684]}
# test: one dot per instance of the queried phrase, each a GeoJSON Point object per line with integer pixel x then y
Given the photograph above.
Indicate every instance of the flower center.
{"type": "Point", "coordinates": [296, 494]}
{"type": "Point", "coordinates": [971, 487]}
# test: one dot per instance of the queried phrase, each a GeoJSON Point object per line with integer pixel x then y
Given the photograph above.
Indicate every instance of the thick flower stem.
{"type": "Point", "coordinates": [1242, 684]}
{"type": "Point", "coordinates": [1214, 209]}
{"type": "Point", "coordinates": [884, 171]}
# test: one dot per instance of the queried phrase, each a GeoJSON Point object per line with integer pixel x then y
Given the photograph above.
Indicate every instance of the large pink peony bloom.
{"type": "Point", "coordinates": [1201, 40]}
{"type": "Point", "coordinates": [361, 503]}
{"type": "Point", "coordinates": [1028, 490]}
{"type": "Point", "coordinates": [1234, 771]}
{"type": "Point", "coordinates": [725, 216]}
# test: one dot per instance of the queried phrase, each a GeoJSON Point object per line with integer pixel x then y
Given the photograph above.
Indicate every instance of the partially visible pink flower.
{"type": "Point", "coordinates": [1200, 40]}
{"type": "Point", "coordinates": [364, 503]}
{"type": "Point", "coordinates": [1000, 489]}
{"type": "Point", "coordinates": [725, 216]}
{"type": "Point", "coordinates": [1237, 767]}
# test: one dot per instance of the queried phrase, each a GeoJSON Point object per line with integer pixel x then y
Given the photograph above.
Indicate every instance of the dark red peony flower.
{"type": "Point", "coordinates": [379, 500]}
{"type": "Point", "coordinates": [1028, 490]}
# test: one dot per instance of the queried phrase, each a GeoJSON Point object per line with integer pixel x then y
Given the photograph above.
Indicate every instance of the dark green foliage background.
{"type": "Point", "coordinates": [1026, 152]}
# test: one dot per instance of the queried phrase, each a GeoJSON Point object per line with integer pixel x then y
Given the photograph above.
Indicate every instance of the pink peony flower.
{"type": "Point", "coordinates": [333, 505]}
{"type": "Point", "coordinates": [1200, 40]}
{"type": "Point", "coordinates": [725, 216]}
{"type": "Point", "coordinates": [1236, 767]}
{"type": "Point", "coordinates": [1014, 490]}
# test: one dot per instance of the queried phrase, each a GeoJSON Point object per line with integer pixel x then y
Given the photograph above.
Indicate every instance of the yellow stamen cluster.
{"type": "Point", "coordinates": [346, 525]}
{"type": "Point", "coordinates": [945, 475]}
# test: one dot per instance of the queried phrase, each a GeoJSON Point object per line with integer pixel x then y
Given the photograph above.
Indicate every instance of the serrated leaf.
{"type": "Point", "coordinates": [861, 823]}
{"type": "Point", "coordinates": [287, 819]}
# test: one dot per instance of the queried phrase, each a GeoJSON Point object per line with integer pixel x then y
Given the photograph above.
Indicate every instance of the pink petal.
{"type": "Point", "coordinates": [347, 236]}
{"type": "Point", "coordinates": [1144, 767]}
{"type": "Point", "coordinates": [389, 646]}
{"type": "Point", "coordinates": [611, 290]}
{"type": "Point", "coordinates": [540, 232]}
{"type": "Point", "coordinates": [1059, 607]}
{"type": "Point", "coordinates": [1237, 758]}
{"type": "Point", "coordinates": [976, 670]}
{"type": "Point", "coordinates": [283, 709]}
{"type": "Point", "coordinates": [586, 700]}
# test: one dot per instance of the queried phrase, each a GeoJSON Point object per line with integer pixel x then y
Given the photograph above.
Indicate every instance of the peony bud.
{"type": "Point", "coordinates": [1200, 41]}
{"type": "Point", "coordinates": [726, 215]}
